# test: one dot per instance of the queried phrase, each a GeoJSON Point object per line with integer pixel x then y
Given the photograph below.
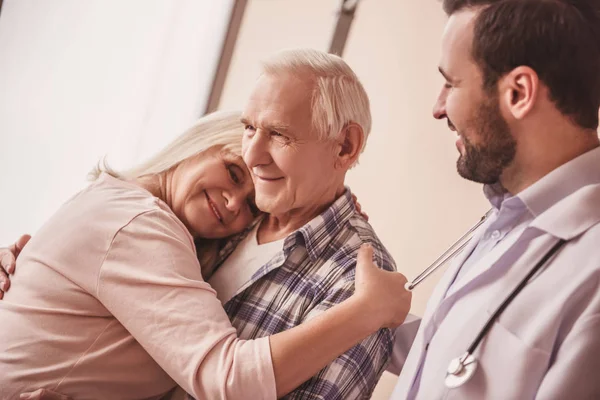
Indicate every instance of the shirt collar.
{"type": "Point", "coordinates": [560, 183]}
{"type": "Point", "coordinates": [496, 194]}
{"type": "Point", "coordinates": [318, 233]}
{"type": "Point", "coordinates": [563, 181]}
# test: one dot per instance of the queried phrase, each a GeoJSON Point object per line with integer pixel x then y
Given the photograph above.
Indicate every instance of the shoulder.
{"type": "Point", "coordinates": [108, 206]}
{"type": "Point", "coordinates": [591, 235]}
{"type": "Point", "coordinates": [584, 251]}
{"type": "Point", "coordinates": [366, 235]}
{"type": "Point", "coordinates": [343, 250]}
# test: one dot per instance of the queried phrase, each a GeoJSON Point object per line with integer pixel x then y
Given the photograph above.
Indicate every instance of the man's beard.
{"type": "Point", "coordinates": [485, 162]}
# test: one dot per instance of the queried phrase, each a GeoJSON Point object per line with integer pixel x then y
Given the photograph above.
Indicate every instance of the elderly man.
{"type": "Point", "coordinates": [306, 123]}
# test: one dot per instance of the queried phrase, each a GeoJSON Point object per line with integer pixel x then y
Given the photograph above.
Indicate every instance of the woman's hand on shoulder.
{"type": "Point", "coordinates": [8, 259]}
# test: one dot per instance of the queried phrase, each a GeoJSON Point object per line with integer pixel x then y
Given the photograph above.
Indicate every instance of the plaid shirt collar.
{"type": "Point", "coordinates": [315, 236]}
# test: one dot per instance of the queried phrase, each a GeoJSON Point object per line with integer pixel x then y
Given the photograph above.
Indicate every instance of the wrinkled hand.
{"type": "Point", "coordinates": [382, 291]}
{"type": "Point", "coordinates": [8, 258]}
{"type": "Point", "coordinates": [43, 394]}
{"type": "Point", "coordinates": [359, 208]}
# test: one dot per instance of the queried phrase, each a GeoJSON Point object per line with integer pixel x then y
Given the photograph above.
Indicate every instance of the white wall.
{"type": "Point", "coordinates": [406, 180]}
{"type": "Point", "coordinates": [269, 26]}
{"type": "Point", "coordinates": [80, 79]}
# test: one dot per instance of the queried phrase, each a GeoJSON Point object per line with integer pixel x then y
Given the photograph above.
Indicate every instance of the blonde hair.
{"type": "Point", "coordinates": [338, 97]}
{"type": "Point", "coordinates": [221, 128]}
{"type": "Point", "coordinates": [216, 129]}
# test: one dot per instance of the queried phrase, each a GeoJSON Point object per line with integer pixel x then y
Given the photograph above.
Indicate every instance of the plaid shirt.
{"type": "Point", "coordinates": [313, 272]}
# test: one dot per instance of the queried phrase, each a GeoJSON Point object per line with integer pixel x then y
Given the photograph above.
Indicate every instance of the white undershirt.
{"type": "Point", "coordinates": [238, 268]}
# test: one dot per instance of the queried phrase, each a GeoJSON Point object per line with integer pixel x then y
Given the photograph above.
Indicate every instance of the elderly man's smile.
{"type": "Point", "coordinates": [267, 179]}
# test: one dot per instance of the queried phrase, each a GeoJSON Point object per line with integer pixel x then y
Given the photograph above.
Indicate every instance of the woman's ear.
{"type": "Point", "coordinates": [350, 145]}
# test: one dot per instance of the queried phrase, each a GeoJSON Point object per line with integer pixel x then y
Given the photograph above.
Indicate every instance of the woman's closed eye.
{"type": "Point", "coordinates": [235, 173]}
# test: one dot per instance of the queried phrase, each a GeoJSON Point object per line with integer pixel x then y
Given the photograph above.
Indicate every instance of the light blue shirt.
{"type": "Point", "coordinates": [509, 214]}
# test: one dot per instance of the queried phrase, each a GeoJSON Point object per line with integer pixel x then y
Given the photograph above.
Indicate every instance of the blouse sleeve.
{"type": "Point", "coordinates": [151, 282]}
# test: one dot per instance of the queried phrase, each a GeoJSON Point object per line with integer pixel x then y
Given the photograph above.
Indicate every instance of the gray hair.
{"type": "Point", "coordinates": [338, 98]}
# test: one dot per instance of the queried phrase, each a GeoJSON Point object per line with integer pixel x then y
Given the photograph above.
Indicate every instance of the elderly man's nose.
{"type": "Point", "coordinates": [256, 150]}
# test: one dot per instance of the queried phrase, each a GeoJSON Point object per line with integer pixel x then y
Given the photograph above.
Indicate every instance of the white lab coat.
{"type": "Point", "coordinates": [546, 344]}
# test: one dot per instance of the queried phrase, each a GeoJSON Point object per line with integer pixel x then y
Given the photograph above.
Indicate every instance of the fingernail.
{"type": "Point", "coordinates": [4, 286]}
{"type": "Point", "coordinates": [10, 269]}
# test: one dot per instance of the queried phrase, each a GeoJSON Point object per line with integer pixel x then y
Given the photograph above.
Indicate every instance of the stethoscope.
{"type": "Point", "coordinates": [462, 368]}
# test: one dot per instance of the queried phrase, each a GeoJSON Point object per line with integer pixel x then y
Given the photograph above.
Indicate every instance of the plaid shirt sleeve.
{"type": "Point", "coordinates": [354, 374]}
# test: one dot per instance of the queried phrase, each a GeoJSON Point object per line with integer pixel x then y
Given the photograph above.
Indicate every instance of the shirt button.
{"type": "Point", "coordinates": [496, 235]}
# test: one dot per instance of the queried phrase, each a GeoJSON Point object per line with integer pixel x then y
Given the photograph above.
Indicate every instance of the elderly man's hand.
{"type": "Point", "coordinates": [43, 394]}
{"type": "Point", "coordinates": [8, 258]}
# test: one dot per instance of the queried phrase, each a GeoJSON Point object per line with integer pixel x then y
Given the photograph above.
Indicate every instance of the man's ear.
{"type": "Point", "coordinates": [520, 89]}
{"type": "Point", "coordinates": [350, 144]}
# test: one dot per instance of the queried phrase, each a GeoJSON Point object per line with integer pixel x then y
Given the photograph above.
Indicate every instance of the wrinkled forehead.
{"type": "Point", "coordinates": [280, 99]}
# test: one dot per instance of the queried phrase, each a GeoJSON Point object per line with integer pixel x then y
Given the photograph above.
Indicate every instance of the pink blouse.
{"type": "Point", "coordinates": [108, 302]}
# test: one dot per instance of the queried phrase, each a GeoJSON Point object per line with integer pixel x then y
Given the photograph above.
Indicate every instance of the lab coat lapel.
{"type": "Point", "coordinates": [483, 267]}
{"type": "Point", "coordinates": [567, 219]}
{"type": "Point", "coordinates": [573, 215]}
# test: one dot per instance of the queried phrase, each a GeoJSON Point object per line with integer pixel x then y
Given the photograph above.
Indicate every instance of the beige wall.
{"type": "Point", "coordinates": [406, 180]}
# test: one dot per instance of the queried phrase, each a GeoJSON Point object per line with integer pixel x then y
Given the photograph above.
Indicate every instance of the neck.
{"type": "Point", "coordinates": [279, 226]}
{"type": "Point", "coordinates": [542, 155]}
{"type": "Point", "coordinates": [158, 185]}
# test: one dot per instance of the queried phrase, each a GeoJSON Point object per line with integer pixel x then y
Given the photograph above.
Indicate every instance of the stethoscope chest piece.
{"type": "Point", "coordinates": [460, 370]}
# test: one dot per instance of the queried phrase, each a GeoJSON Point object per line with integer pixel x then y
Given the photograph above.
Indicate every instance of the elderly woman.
{"type": "Point", "coordinates": [109, 299]}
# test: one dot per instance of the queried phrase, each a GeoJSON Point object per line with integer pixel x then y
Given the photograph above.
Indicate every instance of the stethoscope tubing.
{"type": "Point", "coordinates": [461, 369]}
{"type": "Point", "coordinates": [514, 294]}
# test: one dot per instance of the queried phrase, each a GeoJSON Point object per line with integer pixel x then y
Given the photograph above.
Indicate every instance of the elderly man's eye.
{"type": "Point", "coordinates": [249, 127]}
{"type": "Point", "coordinates": [279, 136]}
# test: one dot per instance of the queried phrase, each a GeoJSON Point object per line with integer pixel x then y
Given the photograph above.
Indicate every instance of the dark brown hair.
{"type": "Point", "coordinates": [559, 39]}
